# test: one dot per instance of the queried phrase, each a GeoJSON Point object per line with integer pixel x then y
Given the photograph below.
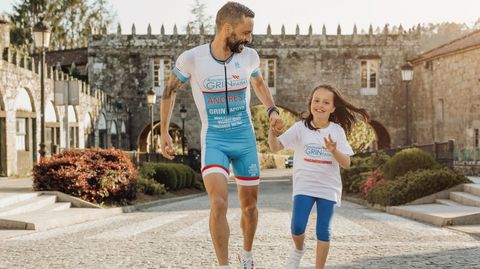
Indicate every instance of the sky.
{"type": "Point", "coordinates": [290, 13]}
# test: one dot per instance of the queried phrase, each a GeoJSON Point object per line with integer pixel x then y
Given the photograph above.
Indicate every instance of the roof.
{"type": "Point", "coordinates": [469, 41]}
{"type": "Point", "coordinates": [67, 57]}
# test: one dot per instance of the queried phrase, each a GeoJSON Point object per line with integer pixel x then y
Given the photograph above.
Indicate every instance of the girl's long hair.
{"type": "Point", "coordinates": [344, 114]}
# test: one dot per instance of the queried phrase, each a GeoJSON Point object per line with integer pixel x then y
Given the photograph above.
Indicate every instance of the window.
{"type": "Point", "coordinates": [476, 138]}
{"type": "Point", "coordinates": [268, 69]}
{"type": "Point", "coordinates": [22, 134]}
{"type": "Point", "coordinates": [440, 113]}
{"type": "Point", "coordinates": [161, 74]}
{"type": "Point", "coordinates": [369, 77]}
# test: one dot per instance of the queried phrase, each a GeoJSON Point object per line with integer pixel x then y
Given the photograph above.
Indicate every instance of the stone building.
{"type": "Point", "coordinates": [97, 121]}
{"type": "Point", "coordinates": [365, 67]}
{"type": "Point", "coordinates": [446, 93]}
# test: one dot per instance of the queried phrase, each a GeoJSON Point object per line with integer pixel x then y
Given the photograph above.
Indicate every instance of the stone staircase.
{"type": "Point", "coordinates": [45, 210]}
{"type": "Point", "coordinates": [458, 208]}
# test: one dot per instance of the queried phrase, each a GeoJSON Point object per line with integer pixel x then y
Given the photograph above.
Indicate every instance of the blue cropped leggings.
{"type": "Point", "coordinates": [302, 205]}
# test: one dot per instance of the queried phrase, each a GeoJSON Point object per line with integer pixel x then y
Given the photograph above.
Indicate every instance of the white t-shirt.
{"type": "Point", "coordinates": [316, 173]}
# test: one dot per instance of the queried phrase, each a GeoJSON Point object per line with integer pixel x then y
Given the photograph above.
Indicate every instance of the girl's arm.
{"type": "Point", "coordinates": [273, 141]}
{"type": "Point", "coordinates": [342, 159]}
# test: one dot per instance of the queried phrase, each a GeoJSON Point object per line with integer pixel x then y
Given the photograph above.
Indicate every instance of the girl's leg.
{"type": "Point", "coordinates": [324, 218]}
{"type": "Point", "coordinates": [302, 205]}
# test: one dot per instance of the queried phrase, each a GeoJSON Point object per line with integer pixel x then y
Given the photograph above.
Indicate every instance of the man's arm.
{"type": "Point", "coordinates": [166, 110]}
{"type": "Point", "coordinates": [262, 92]}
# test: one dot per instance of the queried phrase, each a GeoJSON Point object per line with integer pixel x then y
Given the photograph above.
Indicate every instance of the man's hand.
{"type": "Point", "coordinates": [167, 146]}
{"type": "Point", "coordinates": [276, 123]}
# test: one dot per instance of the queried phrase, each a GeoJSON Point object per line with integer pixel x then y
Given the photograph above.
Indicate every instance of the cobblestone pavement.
{"type": "Point", "coordinates": [176, 236]}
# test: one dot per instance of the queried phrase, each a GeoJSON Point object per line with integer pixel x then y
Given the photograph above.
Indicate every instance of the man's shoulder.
{"type": "Point", "coordinates": [200, 49]}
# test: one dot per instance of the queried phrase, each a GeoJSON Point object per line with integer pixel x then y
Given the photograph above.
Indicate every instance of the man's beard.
{"type": "Point", "coordinates": [235, 44]}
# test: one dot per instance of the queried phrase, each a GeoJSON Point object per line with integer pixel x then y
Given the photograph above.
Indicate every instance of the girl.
{"type": "Point", "coordinates": [321, 146]}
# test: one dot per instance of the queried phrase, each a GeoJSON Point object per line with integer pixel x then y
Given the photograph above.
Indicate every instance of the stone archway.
{"type": "Point", "coordinates": [73, 132]}
{"type": "Point", "coordinates": [102, 131]}
{"type": "Point", "coordinates": [383, 140]}
{"type": "Point", "coordinates": [26, 135]}
{"type": "Point", "coordinates": [88, 131]}
{"type": "Point", "coordinates": [3, 138]}
{"type": "Point", "coordinates": [52, 129]}
{"type": "Point", "coordinates": [114, 134]}
{"type": "Point", "coordinates": [144, 137]}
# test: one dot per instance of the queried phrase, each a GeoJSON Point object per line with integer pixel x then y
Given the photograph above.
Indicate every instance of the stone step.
{"type": "Point", "coordinates": [464, 198]}
{"type": "Point", "coordinates": [44, 220]}
{"type": "Point", "coordinates": [8, 198]}
{"type": "Point", "coordinates": [32, 204]}
{"type": "Point", "coordinates": [438, 214]}
{"type": "Point", "coordinates": [472, 188]}
{"type": "Point", "coordinates": [474, 179]}
{"type": "Point", "coordinates": [447, 202]}
{"type": "Point", "coordinates": [56, 207]}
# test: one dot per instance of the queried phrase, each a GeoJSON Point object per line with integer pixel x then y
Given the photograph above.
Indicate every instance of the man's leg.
{"type": "Point", "coordinates": [217, 189]}
{"type": "Point", "coordinates": [248, 204]}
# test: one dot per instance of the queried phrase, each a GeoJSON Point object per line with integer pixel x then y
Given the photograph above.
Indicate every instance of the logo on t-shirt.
{"type": "Point", "coordinates": [316, 153]}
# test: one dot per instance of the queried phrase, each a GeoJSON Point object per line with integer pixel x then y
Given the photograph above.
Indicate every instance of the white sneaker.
{"type": "Point", "coordinates": [246, 263]}
{"type": "Point", "coordinates": [294, 258]}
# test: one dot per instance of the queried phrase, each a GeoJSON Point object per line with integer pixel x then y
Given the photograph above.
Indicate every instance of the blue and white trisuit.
{"type": "Point", "coordinates": [221, 90]}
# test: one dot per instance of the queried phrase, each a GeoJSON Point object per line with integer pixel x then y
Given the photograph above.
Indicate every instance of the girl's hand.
{"type": "Point", "coordinates": [330, 144]}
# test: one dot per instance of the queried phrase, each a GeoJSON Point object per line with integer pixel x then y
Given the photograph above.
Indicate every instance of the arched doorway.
{"type": "Point", "coordinates": [25, 138]}
{"type": "Point", "coordinates": [102, 131]}
{"type": "Point", "coordinates": [123, 135]}
{"type": "Point", "coordinates": [52, 129]}
{"type": "Point", "coordinates": [3, 139]}
{"type": "Point", "coordinates": [114, 134]}
{"type": "Point", "coordinates": [383, 140]}
{"type": "Point", "coordinates": [73, 134]}
{"type": "Point", "coordinates": [88, 129]}
{"type": "Point", "coordinates": [175, 132]}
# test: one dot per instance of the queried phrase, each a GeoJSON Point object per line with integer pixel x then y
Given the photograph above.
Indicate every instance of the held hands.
{"type": "Point", "coordinates": [167, 146]}
{"type": "Point", "coordinates": [330, 144]}
{"type": "Point", "coordinates": [276, 124]}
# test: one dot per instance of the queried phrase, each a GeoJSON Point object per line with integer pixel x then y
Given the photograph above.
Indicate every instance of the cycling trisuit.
{"type": "Point", "coordinates": [227, 130]}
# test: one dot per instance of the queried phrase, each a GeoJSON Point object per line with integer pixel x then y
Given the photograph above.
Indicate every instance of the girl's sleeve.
{"type": "Point", "coordinates": [291, 137]}
{"type": "Point", "coordinates": [342, 144]}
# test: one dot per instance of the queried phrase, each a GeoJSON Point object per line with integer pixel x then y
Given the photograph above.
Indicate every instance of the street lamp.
{"type": "Point", "coordinates": [183, 115]}
{"type": "Point", "coordinates": [41, 37]}
{"type": "Point", "coordinates": [407, 76]}
{"type": "Point", "coordinates": [151, 97]}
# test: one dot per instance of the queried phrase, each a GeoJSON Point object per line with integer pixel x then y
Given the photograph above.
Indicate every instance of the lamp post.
{"type": "Point", "coordinates": [151, 97]}
{"type": "Point", "coordinates": [183, 115]}
{"type": "Point", "coordinates": [407, 76]}
{"type": "Point", "coordinates": [41, 37]}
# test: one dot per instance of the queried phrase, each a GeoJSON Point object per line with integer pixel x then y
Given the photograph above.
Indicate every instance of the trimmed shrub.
{"type": "Point", "coordinates": [414, 185]}
{"type": "Point", "coordinates": [150, 187]}
{"type": "Point", "coordinates": [94, 175]}
{"type": "Point", "coordinates": [173, 175]}
{"type": "Point", "coordinates": [407, 160]}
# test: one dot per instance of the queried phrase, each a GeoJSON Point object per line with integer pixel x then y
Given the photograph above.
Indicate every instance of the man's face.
{"type": "Point", "coordinates": [240, 35]}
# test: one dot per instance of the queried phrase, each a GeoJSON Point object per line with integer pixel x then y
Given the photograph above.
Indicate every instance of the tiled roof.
{"type": "Point", "coordinates": [470, 40]}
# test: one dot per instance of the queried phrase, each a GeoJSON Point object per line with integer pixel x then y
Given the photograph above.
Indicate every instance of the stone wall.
{"type": "Point", "coordinates": [121, 65]}
{"type": "Point", "coordinates": [446, 99]}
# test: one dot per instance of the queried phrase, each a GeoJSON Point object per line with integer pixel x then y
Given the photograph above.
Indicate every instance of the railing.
{"type": "Point", "coordinates": [138, 158]}
{"type": "Point", "coordinates": [442, 152]}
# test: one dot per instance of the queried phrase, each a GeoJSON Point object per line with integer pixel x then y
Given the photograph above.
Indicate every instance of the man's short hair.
{"type": "Point", "coordinates": [232, 12]}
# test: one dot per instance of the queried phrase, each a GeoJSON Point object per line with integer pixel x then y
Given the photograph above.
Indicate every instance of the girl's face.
{"type": "Point", "coordinates": [322, 104]}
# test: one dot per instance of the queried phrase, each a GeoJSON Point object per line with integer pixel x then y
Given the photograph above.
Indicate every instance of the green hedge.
{"type": "Point", "coordinates": [407, 160]}
{"type": "Point", "coordinates": [173, 175]}
{"type": "Point", "coordinates": [414, 185]}
{"type": "Point", "coordinates": [150, 186]}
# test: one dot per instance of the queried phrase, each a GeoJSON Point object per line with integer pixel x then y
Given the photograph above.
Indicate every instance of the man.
{"type": "Point", "coordinates": [220, 74]}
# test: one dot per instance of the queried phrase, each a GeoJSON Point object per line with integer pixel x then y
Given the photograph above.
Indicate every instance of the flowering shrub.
{"type": "Point", "coordinates": [94, 175]}
{"type": "Point", "coordinates": [375, 178]}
